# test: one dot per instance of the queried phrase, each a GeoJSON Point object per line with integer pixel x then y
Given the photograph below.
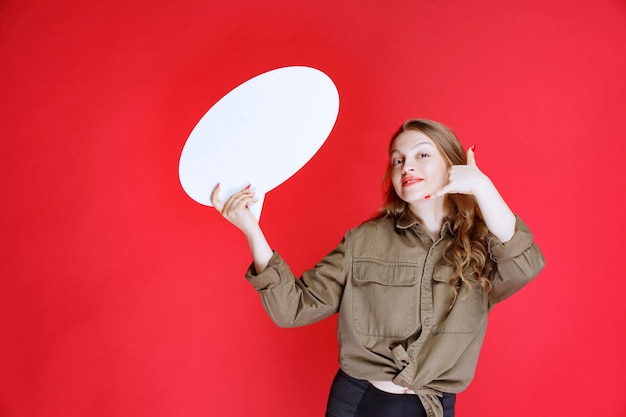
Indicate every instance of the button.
{"type": "Point", "coordinates": [427, 285]}
{"type": "Point", "coordinates": [427, 321]}
{"type": "Point", "coordinates": [412, 354]}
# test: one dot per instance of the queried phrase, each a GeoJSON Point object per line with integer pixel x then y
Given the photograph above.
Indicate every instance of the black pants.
{"type": "Point", "coordinates": [351, 397]}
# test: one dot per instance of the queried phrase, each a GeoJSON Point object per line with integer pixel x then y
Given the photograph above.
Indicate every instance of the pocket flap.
{"type": "Point", "coordinates": [443, 273]}
{"type": "Point", "coordinates": [384, 272]}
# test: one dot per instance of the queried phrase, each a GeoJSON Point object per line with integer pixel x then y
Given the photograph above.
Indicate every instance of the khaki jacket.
{"type": "Point", "coordinates": [389, 283]}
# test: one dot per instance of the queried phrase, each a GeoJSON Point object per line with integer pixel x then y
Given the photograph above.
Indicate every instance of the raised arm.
{"type": "Point", "coordinates": [468, 179]}
{"type": "Point", "coordinates": [236, 211]}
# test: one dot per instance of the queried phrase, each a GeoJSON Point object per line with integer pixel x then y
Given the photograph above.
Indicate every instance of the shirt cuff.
{"type": "Point", "coordinates": [270, 277]}
{"type": "Point", "coordinates": [522, 239]}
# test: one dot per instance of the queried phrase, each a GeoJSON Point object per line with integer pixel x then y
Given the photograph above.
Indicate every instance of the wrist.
{"type": "Point", "coordinates": [485, 189]}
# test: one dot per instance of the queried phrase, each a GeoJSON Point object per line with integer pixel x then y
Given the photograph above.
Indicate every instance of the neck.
{"type": "Point", "coordinates": [431, 214]}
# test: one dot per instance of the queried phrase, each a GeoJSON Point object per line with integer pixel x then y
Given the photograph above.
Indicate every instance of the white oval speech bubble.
{"type": "Point", "coordinates": [260, 133]}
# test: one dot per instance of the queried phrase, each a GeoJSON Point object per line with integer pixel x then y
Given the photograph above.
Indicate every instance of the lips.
{"type": "Point", "coordinates": [408, 181]}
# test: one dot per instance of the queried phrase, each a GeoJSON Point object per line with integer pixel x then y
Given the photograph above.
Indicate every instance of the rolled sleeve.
{"type": "Point", "coordinates": [522, 239]}
{"type": "Point", "coordinates": [291, 301]}
{"type": "Point", "coordinates": [518, 261]}
{"type": "Point", "coordinates": [270, 277]}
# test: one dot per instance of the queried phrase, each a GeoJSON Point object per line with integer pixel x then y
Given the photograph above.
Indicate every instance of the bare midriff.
{"type": "Point", "coordinates": [391, 388]}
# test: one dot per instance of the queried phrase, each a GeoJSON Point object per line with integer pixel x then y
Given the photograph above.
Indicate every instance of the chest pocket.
{"type": "Point", "coordinates": [385, 298]}
{"type": "Point", "coordinates": [470, 308]}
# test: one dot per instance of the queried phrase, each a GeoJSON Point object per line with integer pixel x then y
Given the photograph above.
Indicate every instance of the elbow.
{"type": "Point", "coordinates": [536, 263]}
{"type": "Point", "coordinates": [279, 316]}
{"type": "Point", "coordinates": [283, 323]}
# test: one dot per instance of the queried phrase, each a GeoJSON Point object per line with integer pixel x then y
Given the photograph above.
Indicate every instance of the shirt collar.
{"type": "Point", "coordinates": [408, 221]}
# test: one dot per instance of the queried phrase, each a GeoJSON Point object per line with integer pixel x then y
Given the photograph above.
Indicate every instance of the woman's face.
{"type": "Point", "coordinates": [418, 168]}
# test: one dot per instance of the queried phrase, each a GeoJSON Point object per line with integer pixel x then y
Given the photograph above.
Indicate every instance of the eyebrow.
{"type": "Point", "coordinates": [413, 147]}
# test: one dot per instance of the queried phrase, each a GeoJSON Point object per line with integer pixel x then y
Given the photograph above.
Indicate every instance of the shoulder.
{"type": "Point", "coordinates": [370, 229]}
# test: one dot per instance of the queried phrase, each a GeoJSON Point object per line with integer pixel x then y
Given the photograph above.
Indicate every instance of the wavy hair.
{"type": "Point", "coordinates": [468, 251]}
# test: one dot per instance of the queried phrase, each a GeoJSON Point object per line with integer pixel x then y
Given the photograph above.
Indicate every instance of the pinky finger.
{"type": "Point", "coordinates": [439, 193]}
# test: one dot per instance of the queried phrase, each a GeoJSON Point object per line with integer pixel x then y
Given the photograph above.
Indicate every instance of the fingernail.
{"type": "Point", "coordinates": [218, 184]}
{"type": "Point", "coordinates": [248, 187]}
{"type": "Point", "coordinates": [427, 197]}
{"type": "Point", "coordinates": [473, 148]}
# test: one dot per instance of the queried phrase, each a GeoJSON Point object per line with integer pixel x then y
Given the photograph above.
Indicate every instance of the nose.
{"type": "Point", "coordinates": [406, 168]}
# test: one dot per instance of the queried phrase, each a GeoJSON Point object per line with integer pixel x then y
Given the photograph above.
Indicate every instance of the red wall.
{"type": "Point", "coordinates": [120, 296]}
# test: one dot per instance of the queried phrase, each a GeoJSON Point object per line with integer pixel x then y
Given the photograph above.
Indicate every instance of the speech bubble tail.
{"type": "Point", "coordinates": [255, 208]}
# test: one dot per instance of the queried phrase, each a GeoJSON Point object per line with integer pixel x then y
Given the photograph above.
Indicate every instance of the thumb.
{"type": "Point", "coordinates": [215, 198]}
{"type": "Point", "coordinates": [471, 159]}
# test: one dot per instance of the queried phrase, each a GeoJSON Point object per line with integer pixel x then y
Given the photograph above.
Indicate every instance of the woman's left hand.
{"type": "Point", "coordinates": [464, 179]}
{"type": "Point", "coordinates": [468, 179]}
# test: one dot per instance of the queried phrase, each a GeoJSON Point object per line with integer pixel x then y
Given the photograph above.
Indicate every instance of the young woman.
{"type": "Point", "coordinates": [412, 286]}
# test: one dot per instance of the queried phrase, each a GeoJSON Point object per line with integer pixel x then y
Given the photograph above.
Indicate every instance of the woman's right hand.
{"type": "Point", "coordinates": [235, 209]}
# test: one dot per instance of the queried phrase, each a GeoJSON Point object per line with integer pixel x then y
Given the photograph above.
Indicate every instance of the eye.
{"type": "Point", "coordinates": [422, 155]}
{"type": "Point", "coordinates": [396, 161]}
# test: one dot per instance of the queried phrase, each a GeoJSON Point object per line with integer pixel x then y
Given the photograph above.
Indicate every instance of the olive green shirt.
{"type": "Point", "coordinates": [389, 283]}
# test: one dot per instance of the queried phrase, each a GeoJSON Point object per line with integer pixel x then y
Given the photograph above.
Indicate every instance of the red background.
{"type": "Point", "coordinates": [123, 297]}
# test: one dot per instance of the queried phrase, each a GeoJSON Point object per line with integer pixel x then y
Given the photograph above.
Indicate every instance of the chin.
{"type": "Point", "coordinates": [412, 196]}
{"type": "Point", "coordinates": [415, 199]}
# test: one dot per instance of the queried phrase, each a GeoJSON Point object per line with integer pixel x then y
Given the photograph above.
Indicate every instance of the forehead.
{"type": "Point", "coordinates": [410, 139]}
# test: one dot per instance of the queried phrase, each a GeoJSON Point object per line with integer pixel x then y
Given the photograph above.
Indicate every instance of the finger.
{"type": "Point", "coordinates": [218, 204]}
{"type": "Point", "coordinates": [235, 211]}
{"type": "Point", "coordinates": [239, 200]}
{"type": "Point", "coordinates": [215, 198]}
{"type": "Point", "coordinates": [441, 192]}
{"type": "Point", "coordinates": [471, 159]}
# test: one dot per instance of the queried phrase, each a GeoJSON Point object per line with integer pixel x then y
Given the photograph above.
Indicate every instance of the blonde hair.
{"type": "Point", "coordinates": [468, 251]}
